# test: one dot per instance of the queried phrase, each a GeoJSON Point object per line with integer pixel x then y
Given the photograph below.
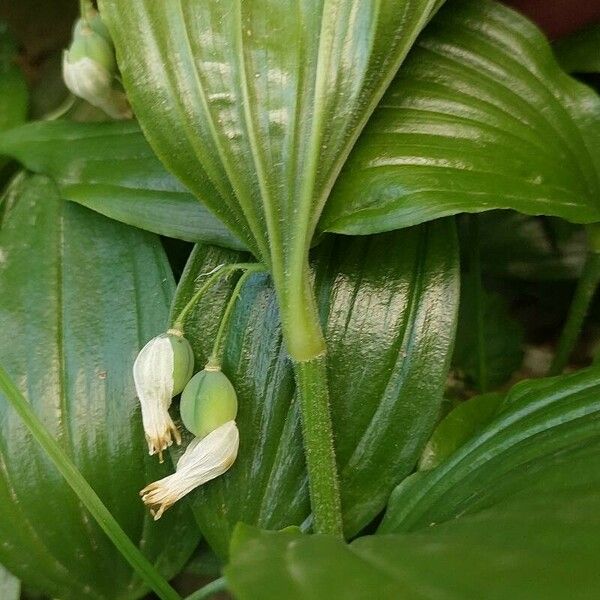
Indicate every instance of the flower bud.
{"type": "Point", "coordinates": [203, 460]}
{"type": "Point", "coordinates": [161, 371]}
{"type": "Point", "coordinates": [92, 18]}
{"type": "Point", "coordinates": [208, 401]}
{"type": "Point", "coordinates": [89, 68]}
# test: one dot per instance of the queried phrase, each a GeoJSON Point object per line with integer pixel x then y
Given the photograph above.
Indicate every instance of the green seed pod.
{"type": "Point", "coordinates": [208, 401]}
{"type": "Point", "coordinates": [183, 361]}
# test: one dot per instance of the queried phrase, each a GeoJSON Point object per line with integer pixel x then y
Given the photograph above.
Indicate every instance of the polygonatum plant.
{"type": "Point", "coordinates": [247, 314]}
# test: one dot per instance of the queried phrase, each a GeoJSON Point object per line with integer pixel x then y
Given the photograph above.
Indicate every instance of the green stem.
{"type": "Point", "coordinates": [210, 589]}
{"type": "Point", "coordinates": [86, 494]}
{"type": "Point", "coordinates": [214, 276]}
{"type": "Point", "coordinates": [584, 293]}
{"type": "Point", "coordinates": [216, 356]}
{"type": "Point", "coordinates": [311, 379]}
{"type": "Point", "coordinates": [306, 346]}
{"type": "Point", "coordinates": [476, 288]}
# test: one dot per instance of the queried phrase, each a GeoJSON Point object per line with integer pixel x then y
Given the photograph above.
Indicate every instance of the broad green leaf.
{"type": "Point", "coordinates": [580, 52]}
{"type": "Point", "coordinates": [539, 425]}
{"type": "Point", "coordinates": [81, 294]}
{"type": "Point", "coordinates": [10, 586]}
{"type": "Point", "coordinates": [388, 304]}
{"type": "Point", "coordinates": [543, 544]}
{"type": "Point", "coordinates": [489, 342]}
{"type": "Point", "coordinates": [457, 427]}
{"type": "Point", "coordinates": [480, 116]}
{"type": "Point", "coordinates": [255, 106]}
{"type": "Point", "coordinates": [517, 246]}
{"type": "Point", "coordinates": [110, 168]}
{"type": "Point", "coordinates": [13, 89]}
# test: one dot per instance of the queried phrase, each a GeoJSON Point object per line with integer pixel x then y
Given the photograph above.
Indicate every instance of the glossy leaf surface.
{"type": "Point", "coordinates": [110, 168]}
{"type": "Point", "coordinates": [528, 525]}
{"type": "Point", "coordinates": [389, 304]}
{"type": "Point", "coordinates": [536, 546]}
{"type": "Point", "coordinates": [255, 106]}
{"type": "Point", "coordinates": [539, 425]}
{"type": "Point", "coordinates": [83, 295]}
{"type": "Point", "coordinates": [457, 427]}
{"type": "Point", "coordinates": [480, 116]}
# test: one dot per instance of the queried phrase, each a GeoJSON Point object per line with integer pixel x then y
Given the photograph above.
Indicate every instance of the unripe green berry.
{"type": "Point", "coordinates": [183, 361]}
{"type": "Point", "coordinates": [208, 401]}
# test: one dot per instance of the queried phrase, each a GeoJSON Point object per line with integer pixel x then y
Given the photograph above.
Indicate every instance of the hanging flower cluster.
{"type": "Point", "coordinates": [208, 409]}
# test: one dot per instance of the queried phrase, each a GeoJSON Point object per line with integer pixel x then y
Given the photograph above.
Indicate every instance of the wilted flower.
{"type": "Point", "coordinates": [204, 459]}
{"type": "Point", "coordinates": [161, 370]}
{"type": "Point", "coordinates": [208, 401]}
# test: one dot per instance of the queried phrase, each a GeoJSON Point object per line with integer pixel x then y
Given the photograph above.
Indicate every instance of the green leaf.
{"type": "Point", "coordinates": [540, 546]}
{"type": "Point", "coordinates": [10, 586]}
{"type": "Point", "coordinates": [255, 106]}
{"type": "Point", "coordinates": [580, 52]}
{"type": "Point", "coordinates": [539, 425]}
{"type": "Point", "coordinates": [13, 88]}
{"type": "Point", "coordinates": [457, 427]}
{"type": "Point", "coordinates": [85, 294]}
{"type": "Point", "coordinates": [489, 342]}
{"type": "Point", "coordinates": [513, 513]}
{"type": "Point", "coordinates": [479, 117]}
{"type": "Point", "coordinates": [388, 304]}
{"type": "Point", "coordinates": [110, 168]}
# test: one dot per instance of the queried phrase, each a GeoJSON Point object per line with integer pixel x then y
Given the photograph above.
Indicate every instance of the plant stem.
{"type": "Point", "coordinates": [584, 293]}
{"type": "Point", "coordinates": [311, 379]}
{"type": "Point", "coordinates": [216, 356]}
{"type": "Point", "coordinates": [86, 494]}
{"type": "Point", "coordinates": [210, 589]}
{"type": "Point", "coordinates": [306, 346]}
{"type": "Point", "coordinates": [214, 276]}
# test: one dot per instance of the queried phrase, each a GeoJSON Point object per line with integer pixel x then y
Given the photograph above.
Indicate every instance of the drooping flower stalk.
{"type": "Point", "coordinates": [208, 410]}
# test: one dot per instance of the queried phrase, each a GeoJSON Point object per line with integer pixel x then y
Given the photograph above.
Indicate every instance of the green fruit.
{"type": "Point", "coordinates": [183, 362]}
{"type": "Point", "coordinates": [208, 401]}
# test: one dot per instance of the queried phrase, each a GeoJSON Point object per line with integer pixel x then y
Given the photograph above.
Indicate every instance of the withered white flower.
{"type": "Point", "coordinates": [161, 371]}
{"type": "Point", "coordinates": [204, 459]}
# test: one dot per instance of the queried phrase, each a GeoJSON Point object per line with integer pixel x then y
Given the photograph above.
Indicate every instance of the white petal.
{"type": "Point", "coordinates": [203, 460]}
{"type": "Point", "coordinates": [153, 377]}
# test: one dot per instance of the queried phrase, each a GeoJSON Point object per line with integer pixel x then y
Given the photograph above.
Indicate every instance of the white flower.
{"type": "Point", "coordinates": [204, 459]}
{"type": "Point", "coordinates": [161, 370]}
